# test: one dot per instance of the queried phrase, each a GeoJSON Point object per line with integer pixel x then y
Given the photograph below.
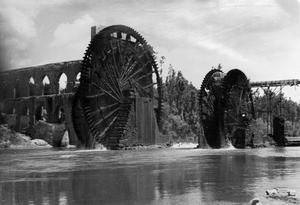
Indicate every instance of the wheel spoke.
{"type": "Point", "coordinates": [144, 76]}
{"type": "Point", "coordinates": [140, 88]}
{"type": "Point", "coordinates": [104, 118]}
{"type": "Point", "coordinates": [101, 135]}
{"type": "Point", "coordinates": [108, 81]}
{"type": "Point", "coordinates": [114, 81]}
{"type": "Point", "coordinates": [149, 86]}
{"type": "Point", "coordinates": [107, 92]}
{"type": "Point", "coordinates": [96, 96]}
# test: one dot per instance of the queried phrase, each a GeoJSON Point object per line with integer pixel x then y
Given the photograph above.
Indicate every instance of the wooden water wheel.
{"type": "Point", "coordinates": [225, 108]}
{"type": "Point", "coordinates": [117, 67]}
{"type": "Point", "coordinates": [238, 107]}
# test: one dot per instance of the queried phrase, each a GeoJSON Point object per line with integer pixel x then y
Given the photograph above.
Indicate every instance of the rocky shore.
{"type": "Point", "coordinates": [45, 135]}
{"type": "Point", "coordinates": [15, 140]}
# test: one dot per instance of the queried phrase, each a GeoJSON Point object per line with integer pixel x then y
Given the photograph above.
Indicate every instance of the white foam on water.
{"type": "Point", "coordinates": [182, 145]}
{"type": "Point", "coordinates": [99, 147]}
{"type": "Point", "coordinates": [68, 156]}
{"type": "Point", "coordinates": [229, 146]}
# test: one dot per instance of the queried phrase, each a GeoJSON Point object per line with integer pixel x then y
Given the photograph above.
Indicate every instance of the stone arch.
{"type": "Point", "coordinates": [16, 92]}
{"type": "Point", "coordinates": [24, 110]}
{"type": "Point", "coordinates": [2, 88]}
{"type": "Point", "coordinates": [5, 91]}
{"type": "Point", "coordinates": [18, 88]}
{"type": "Point", "coordinates": [41, 113]}
{"type": "Point", "coordinates": [59, 114]}
{"type": "Point", "coordinates": [46, 85]}
{"type": "Point", "coordinates": [62, 83]}
{"type": "Point", "coordinates": [31, 86]}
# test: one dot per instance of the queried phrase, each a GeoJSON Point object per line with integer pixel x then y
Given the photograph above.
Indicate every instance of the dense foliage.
{"type": "Point", "coordinates": [180, 120]}
{"type": "Point", "coordinates": [272, 104]}
{"type": "Point", "coordinates": [180, 115]}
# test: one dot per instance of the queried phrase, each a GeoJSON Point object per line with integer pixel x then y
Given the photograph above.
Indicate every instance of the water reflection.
{"type": "Point", "coordinates": [149, 177]}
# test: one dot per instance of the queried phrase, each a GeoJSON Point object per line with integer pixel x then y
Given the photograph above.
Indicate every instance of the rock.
{"type": "Point", "coordinates": [25, 137]}
{"type": "Point", "coordinates": [65, 142]}
{"type": "Point", "coordinates": [291, 192]}
{"type": "Point", "coordinates": [287, 196]}
{"type": "Point", "coordinates": [40, 142]}
{"type": "Point", "coordinates": [4, 144]}
{"type": "Point", "coordinates": [282, 192]}
{"type": "Point", "coordinates": [12, 139]}
{"type": "Point", "coordinates": [50, 132]}
{"type": "Point", "coordinates": [272, 192]}
{"type": "Point", "coordinates": [254, 201]}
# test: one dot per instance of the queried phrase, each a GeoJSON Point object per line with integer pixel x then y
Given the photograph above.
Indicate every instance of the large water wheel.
{"type": "Point", "coordinates": [225, 108]}
{"type": "Point", "coordinates": [117, 67]}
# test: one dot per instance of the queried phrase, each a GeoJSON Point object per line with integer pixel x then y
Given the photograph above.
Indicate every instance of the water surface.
{"type": "Point", "coordinates": [160, 176]}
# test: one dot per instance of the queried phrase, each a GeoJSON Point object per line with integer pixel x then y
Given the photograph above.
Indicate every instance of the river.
{"type": "Point", "coordinates": [157, 176]}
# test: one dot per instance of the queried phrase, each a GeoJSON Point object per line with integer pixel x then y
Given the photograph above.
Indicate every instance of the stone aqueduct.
{"type": "Point", "coordinates": [33, 93]}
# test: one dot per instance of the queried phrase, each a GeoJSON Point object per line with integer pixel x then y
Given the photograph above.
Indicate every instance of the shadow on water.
{"type": "Point", "coordinates": [147, 177]}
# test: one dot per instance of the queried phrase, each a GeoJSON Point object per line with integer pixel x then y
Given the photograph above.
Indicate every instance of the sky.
{"type": "Point", "coordinates": [260, 37]}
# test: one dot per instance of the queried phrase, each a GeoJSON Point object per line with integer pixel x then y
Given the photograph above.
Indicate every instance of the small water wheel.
{"type": "Point", "coordinates": [117, 67]}
{"type": "Point", "coordinates": [225, 108]}
{"type": "Point", "coordinates": [239, 110]}
{"type": "Point", "coordinates": [209, 102]}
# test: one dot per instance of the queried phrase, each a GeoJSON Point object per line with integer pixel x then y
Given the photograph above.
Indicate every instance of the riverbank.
{"type": "Point", "coordinates": [15, 140]}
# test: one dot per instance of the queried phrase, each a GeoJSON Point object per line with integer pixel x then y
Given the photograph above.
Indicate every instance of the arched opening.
{"type": "Point", "coordinates": [41, 114]}
{"type": "Point", "coordinates": [23, 119]}
{"type": "Point", "coordinates": [4, 91]}
{"type": "Point", "coordinates": [62, 82]}
{"type": "Point", "coordinates": [25, 111]}
{"type": "Point", "coordinates": [31, 86]}
{"type": "Point", "coordinates": [77, 80]}
{"type": "Point", "coordinates": [46, 85]}
{"type": "Point", "coordinates": [17, 89]}
{"type": "Point", "coordinates": [15, 93]}
{"type": "Point", "coordinates": [2, 85]}
{"type": "Point", "coordinates": [59, 114]}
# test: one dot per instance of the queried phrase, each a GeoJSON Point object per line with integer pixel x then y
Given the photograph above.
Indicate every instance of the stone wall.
{"type": "Point", "coordinates": [26, 99]}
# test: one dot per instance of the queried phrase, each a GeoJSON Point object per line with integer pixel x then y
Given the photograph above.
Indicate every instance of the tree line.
{"type": "Point", "coordinates": [180, 119]}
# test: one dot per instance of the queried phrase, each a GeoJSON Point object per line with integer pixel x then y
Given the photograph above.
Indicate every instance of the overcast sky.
{"type": "Point", "coordinates": [260, 37]}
